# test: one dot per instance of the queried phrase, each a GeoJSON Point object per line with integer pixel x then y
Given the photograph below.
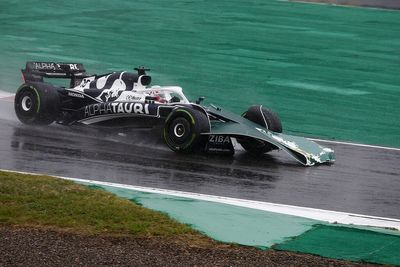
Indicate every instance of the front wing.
{"type": "Point", "coordinates": [301, 149]}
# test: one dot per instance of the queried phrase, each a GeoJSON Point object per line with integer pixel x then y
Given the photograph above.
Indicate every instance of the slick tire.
{"type": "Point", "coordinates": [183, 128]}
{"type": "Point", "coordinates": [37, 103]}
{"type": "Point", "coordinates": [265, 118]}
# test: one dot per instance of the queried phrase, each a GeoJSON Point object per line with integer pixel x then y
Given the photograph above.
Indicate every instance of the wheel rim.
{"type": "Point", "coordinates": [26, 103]}
{"type": "Point", "coordinates": [179, 130]}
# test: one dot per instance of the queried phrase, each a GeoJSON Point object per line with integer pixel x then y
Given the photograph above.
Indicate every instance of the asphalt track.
{"type": "Point", "coordinates": [364, 180]}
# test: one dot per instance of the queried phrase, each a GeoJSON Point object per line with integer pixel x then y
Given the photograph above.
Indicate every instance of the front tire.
{"type": "Point", "coordinates": [183, 128]}
{"type": "Point", "coordinates": [37, 104]}
{"type": "Point", "coordinates": [265, 118]}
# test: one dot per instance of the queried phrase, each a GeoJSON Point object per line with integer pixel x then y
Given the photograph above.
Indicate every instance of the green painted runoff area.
{"type": "Point", "coordinates": [251, 227]}
{"type": "Point", "coordinates": [347, 243]}
{"type": "Point", "coordinates": [223, 222]}
{"type": "Point", "coordinates": [330, 72]}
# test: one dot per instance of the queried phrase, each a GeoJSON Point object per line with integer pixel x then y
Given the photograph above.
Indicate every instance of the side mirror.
{"type": "Point", "coordinates": [199, 100]}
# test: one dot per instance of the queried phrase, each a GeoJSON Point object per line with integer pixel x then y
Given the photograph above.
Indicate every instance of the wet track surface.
{"type": "Point", "coordinates": [363, 180]}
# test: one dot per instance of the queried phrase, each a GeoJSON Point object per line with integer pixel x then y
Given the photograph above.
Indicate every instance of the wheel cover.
{"type": "Point", "coordinates": [179, 130]}
{"type": "Point", "coordinates": [26, 103]}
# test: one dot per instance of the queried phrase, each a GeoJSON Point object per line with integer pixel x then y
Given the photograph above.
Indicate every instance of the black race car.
{"type": "Point", "coordinates": [125, 99]}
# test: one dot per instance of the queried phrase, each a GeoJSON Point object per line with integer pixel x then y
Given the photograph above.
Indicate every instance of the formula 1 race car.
{"type": "Point", "coordinates": [120, 99]}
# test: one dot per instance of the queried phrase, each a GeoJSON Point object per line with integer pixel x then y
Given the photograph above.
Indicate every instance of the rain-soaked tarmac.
{"type": "Point", "coordinates": [363, 180]}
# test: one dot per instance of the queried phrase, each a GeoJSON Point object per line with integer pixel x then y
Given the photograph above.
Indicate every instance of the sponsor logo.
{"type": "Point", "coordinates": [52, 66]}
{"type": "Point", "coordinates": [115, 108]}
{"type": "Point", "coordinates": [219, 139]}
{"type": "Point", "coordinates": [75, 95]}
{"type": "Point", "coordinates": [219, 144]}
{"type": "Point", "coordinates": [73, 67]}
{"type": "Point", "coordinates": [44, 66]}
{"type": "Point", "coordinates": [133, 98]}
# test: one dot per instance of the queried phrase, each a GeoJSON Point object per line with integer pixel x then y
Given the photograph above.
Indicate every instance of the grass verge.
{"type": "Point", "coordinates": [43, 201]}
{"type": "Point", "coordinates": [91, 225]}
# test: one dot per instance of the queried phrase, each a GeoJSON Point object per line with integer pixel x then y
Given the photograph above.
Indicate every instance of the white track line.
{"type": "Point", "coordinates": [340, 5]}
{"type": "Point", "coordinates": [5, 94]}
{"type": "Point", "coordinates": [311, 213]}
{"type": "Point", "coordinates": [354, 144]}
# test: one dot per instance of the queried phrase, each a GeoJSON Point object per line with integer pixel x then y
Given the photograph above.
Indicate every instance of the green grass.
{"type": "Point", "coordinates": [43, 201]}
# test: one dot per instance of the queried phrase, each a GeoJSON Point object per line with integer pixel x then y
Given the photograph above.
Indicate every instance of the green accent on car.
{"type": "Point", "coordinates": [191, 140]}
{"type": "Point", "coordinates": [188, 113]}
{"type": "Point", "coordinates": [347, 243]}
{"type": "Point", "coordinates": [193, 123]}
{"type": "Point", "coordinates": [38, 99]}
{"type": "Point", "coordinates": [303, 150]}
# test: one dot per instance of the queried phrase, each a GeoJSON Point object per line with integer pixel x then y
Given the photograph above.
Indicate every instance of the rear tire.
{"type": "Point", "coordinates": [37, 103]}
{"type": "Point", "coordinates": [265, 118]}
{"type": "Point", "coordinates": [183, 128]}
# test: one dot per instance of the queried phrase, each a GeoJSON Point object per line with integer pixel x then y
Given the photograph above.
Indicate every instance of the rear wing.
{"type": "Point", "coordinates": [36, 71]}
